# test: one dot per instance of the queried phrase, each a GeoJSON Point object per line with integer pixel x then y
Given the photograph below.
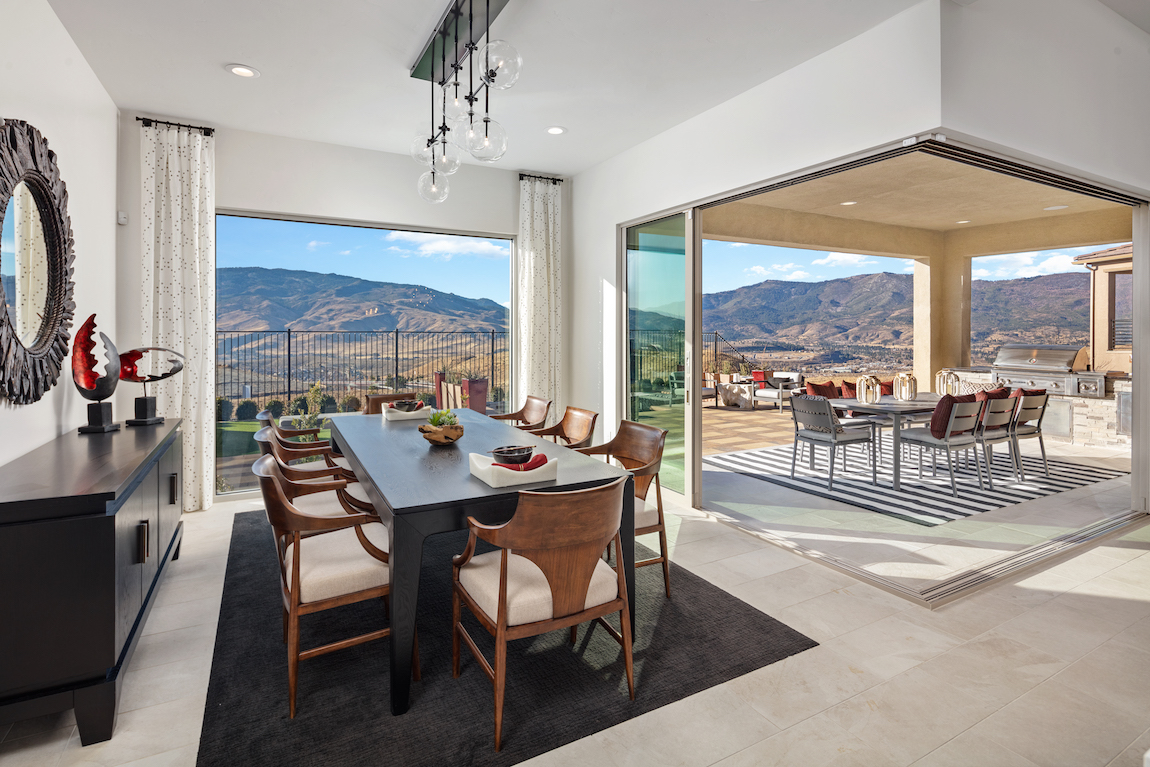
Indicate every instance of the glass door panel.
{"type": "Point", "coordinates": [656, 336]}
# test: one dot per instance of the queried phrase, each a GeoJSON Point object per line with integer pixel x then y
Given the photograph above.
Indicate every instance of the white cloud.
{"type": "Point", "coordinates": [1015, 265]}
{"type": "Point", "coordinates": [785, 267]}
{"type": "Point", "coordinates": [843, 259]}
{"type": "Point", "coordinates": [797, 275]}
{"type": "Point", "coordinates": [316, 244]}
{"type": "Point", "coordinates": [345, 252]}
{"type": "Point", "coordinates": [506, 303]}
{"type": "Point", "coordinates": [738, 244]}
{"type": "Point", "coordinates": [758, 271]}
{"type": "Point", "coordinates": [908, 265]}
{"type": "Point", "coordinates": [445, 246]}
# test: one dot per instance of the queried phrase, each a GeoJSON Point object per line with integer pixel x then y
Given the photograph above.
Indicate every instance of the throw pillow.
{"type": "Point", "coordinates": [1026, 393]}
{"type": "Point", "coordinates": [983, 396]}
{"type": "Point", "coordinates": [970, 387]}
{"type": "Point", "coordinates": [825, 390]}
{"type": "Point", "coordinates": [940, 419]}
{"type": "Point", "coordinates": [817, 398]}
{"type": "Point", "coordinates": [886, 388]}
{"type": "Point", "coordinates": [849, 389]}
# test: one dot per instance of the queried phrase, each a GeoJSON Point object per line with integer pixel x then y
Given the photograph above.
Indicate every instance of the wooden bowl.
{"type": "Point", "coordinates": [441, 435]}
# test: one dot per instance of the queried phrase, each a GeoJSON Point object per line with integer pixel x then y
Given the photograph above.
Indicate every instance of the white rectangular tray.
{"type": "Point", "coordinates": [392, 414]}
{"type": "Point", "coordinates": [482, 466]}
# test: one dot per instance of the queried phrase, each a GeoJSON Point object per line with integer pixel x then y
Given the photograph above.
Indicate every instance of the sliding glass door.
{"type": "Point", "coordinates": [656, 330]}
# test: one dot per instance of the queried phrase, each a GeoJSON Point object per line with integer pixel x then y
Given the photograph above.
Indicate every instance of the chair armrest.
{"type": "Point", "coordinates": [304, 452]}
{"type": "Point", "coordinates": [296, 474]}
{"type": "Point", "coordinates": [459, 560]}
{"type": "Point", "coordinates": [507, 417]}
{"type": "Point", "coordinates": [370, 547]}
{"type": "Point", "coordinates": [553, 431]}
{"type": "Point", "coordinates": [604, 449]}
{"type": "Point", "coordinates": [531, 427]}
{"type": "Point", "coordinates": [296, 489]}
{"type": "Point", "coordinates": [647, 469]}
{"type": "Point", "coordinates": [311, 522]}
{"type": "Point", "coordinates": [297, 432]}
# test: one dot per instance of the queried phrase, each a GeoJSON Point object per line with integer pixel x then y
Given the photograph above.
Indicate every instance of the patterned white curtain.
{"type": "Point", "coordinates": [30, 263]}
{"type": "Point", "coordinates": [177, 168]}
{"type": "Point", "coordinates": [538, 288]}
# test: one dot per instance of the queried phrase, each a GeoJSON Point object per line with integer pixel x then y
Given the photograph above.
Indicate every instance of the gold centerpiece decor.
{"type": "Point", "coordinates": [868, 390]}
{"type": "Point", "coordinates": [442, 428]}
{"type": "Point", "coordinates": [946, 382]}
{"type": "Point", "coordinates": [905, 387]}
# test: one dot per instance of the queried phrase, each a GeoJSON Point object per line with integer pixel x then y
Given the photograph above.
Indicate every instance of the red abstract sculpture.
{"type": "Point", "coordinates": [88, 382]}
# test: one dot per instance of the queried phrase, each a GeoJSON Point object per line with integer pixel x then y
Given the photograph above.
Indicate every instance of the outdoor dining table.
{"type": "Point", "coordinates": [897, 409]}
{"type": "Point", "coordinates": [420, 490]}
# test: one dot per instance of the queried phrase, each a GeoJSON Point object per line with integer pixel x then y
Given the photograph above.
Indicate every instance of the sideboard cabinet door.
{"type": "Point", "coordinates": [171, 493]}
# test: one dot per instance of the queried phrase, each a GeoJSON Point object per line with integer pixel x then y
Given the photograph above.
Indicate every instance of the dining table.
{"type": "Point", "coordinates": [420, 490]}
{"type": "Point", "coordinates": [896, 409]}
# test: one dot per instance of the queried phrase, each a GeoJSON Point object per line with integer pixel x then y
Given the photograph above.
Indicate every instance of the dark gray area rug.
{"type": "Point", "coordinates": [555, 693]}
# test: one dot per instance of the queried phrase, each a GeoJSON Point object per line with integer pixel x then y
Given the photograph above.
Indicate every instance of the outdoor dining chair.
{"type": "Point", "coordinates": [993, 429]}
{"type": "Point", "coordinates": [957, 436]}
{"type": "Point", "coordinates": [816, 424]}
{"type": "Point", "coordinates": [546, 573]}
{"type": "Point", "coordinates": [1027, 424]}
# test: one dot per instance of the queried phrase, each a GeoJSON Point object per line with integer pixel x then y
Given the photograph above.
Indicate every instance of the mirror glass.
{"type": "Point", "coordinates": [24, 264]}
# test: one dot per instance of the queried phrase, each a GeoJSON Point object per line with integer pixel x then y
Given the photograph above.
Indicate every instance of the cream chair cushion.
{"type": "Point", "coordinates": [646, 511]}
{"type": "Point", "coordinates": [327, 505]}
{"type": "Point", "coordinates": [341, 462]}
{"type": "Point", "coordinates": [333, 564]}
{"type": "Point", "coordinates": [528, 595]}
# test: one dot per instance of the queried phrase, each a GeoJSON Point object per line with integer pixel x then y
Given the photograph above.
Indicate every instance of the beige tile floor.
{"type": "Point", "coordinates": [1050, 669]}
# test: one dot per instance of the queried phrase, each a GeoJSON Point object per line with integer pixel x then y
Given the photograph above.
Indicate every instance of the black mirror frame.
{"type": "Point", "coordinates": [27, 373]}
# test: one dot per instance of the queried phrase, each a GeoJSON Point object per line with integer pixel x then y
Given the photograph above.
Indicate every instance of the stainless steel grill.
{"type": "Point", "coordinates": [1058, 368]}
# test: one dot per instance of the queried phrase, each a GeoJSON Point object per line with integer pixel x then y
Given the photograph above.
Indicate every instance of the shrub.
{"type": "Point", "coordinates": [328, 404]}
{"type": "Point", "coordinates": [659, 383]}
{"type": "Point", "coordinates": [498, 394]}
{"type": "Point", "coordinates": [247, 410]}
{"type": "Point", "coordinates": [223, 409]}
{"type": "Point", "coordinates": [298, 405]}
{"type": "Point", "coordinates": [275, 407]}
{"type": "Point", "coordinates": [222, 485]}
{"type": "Point", "coordinates": [427, 398]}
{"type": "Point", "coordinates": [350, 404]}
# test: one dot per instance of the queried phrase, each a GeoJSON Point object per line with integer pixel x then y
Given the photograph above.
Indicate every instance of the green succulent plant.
{"type": "Point", "coordinates": [442, 418]}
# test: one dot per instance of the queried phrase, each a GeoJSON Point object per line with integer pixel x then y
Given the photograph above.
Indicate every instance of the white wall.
{"type": "Point", "coordinates": [879, 87]}
{"type": "Point", "coordinates": [1061, 82]}
{"type": "Point", "coordinates": [47, 83]}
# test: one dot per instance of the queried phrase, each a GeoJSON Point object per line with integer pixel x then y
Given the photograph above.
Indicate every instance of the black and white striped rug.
{"type": "Point", "coordinates": [927, 501]}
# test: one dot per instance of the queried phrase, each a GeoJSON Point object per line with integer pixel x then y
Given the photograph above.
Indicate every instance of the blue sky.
{"type": "Point", "coordinates": [474, 267]}
{"type": "Point", "coordinates": [7, 243]}
{"type": "Point", "coordinates": [730, 265]}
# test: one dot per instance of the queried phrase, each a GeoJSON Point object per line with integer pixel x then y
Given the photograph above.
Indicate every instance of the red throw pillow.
{"type": "Point", "coordinates": [827, 390]}
{"type": "Point", "coordinates": [1026, 393]}
{"type": "Point", "coordinates": [886, 388]}
{"type": "Point", "coordinates": [941, 416]}
{"type": "Point", "coordinates": [849, 389]}
{"type": "Point", "coordinates": [983, 396]}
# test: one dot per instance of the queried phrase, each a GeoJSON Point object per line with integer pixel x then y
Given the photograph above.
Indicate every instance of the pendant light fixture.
{"type": "Point", "coordinates": [458, 128]}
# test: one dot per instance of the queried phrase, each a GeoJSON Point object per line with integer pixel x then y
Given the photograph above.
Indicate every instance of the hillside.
{"type": "Point", "coordinates": [877, 309]}
{"type": "Point", "coordinates": [253, 298]}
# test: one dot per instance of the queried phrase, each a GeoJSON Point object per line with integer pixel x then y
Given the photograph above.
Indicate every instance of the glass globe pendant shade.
{"type": "Point", "coordinates": [462, 129]}
{"type": "Point", "coordinates": [499, 64]}
{"type": "Point", "coordinates": [488, 141]}
{"type": "Point", "coordinates": [420, 151]}
{"type": "Point", "coordinates": [456, 104]}
{"type": "Point", "coordinates": [448, 158]}
{"type": "Point", "coordinates": [432, 187]}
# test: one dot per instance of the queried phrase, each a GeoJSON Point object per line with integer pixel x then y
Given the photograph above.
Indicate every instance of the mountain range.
{"type": "Point", "coordinates": [254, 298]}
{"type": "Point", "coordinates": [878, 309]}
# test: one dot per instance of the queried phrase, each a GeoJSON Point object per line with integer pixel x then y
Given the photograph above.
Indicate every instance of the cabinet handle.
{"type": "Point", "coordinates": [142, 547]}
{"type": "Point", "coordinates": [172, 489]}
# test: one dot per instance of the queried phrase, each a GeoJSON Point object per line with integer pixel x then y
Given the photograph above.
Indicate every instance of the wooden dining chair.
{"type": "Point", "coordinates": [354, 493]}
{"type": "Point", "coordinates": [375, 404]}
{"type": "Point", "coordinates": [576, 428]}
{"type": "Point", "coordinates": [324, 562]}
{"type": "Point", "coordinates": [289, 437]}
{"type": "Point", "coordinates": [548, 573]}
{"type": "Point", "coordinates": [639, 449]}
{"type": "Point", "coordinates": [289, 451]}
{"type": "Point", "coordinates": [533, 414]}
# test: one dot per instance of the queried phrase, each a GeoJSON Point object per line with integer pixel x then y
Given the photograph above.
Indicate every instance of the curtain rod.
{"type": "Point", "coordinates": [147, 121]}
{"type": "Point", "coordinates": [541, 178]}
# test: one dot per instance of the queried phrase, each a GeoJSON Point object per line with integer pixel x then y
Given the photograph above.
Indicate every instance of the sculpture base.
{"type": "Point", "coordinates": [145, 413]}
{"type": "Point", "coordinates": [99, 419]}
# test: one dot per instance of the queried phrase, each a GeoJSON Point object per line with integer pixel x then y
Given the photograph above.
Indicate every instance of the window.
{"type": "Point", "coordinates": [311, 318]}
{"type": "Point", "coordinates": [1121, 310]}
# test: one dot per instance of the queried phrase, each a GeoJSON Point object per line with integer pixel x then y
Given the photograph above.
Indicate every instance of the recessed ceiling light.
{"type": "Point", "coordinates": [555, 130]}
{"type": "Point", "coordinates": [851, 202]}
{"type": "Point", "coordinates": [1057, 207]}
{"type": "Point", "coordinates": [242, 70]}
{"type": "Point", "coordinates": [964, 221]}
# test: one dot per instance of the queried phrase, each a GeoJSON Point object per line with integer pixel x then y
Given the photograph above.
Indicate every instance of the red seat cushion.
{"type": "Point", "coordinates": [983, 396]}
{"type": "Point", "coordinates": [828, 390]}
{"type": "Point", "coordinates": [940, 419]}
{"type": "Point", "coordinates": [1026, 393]}
{"type": "Point", "coordinates": [886, 387]}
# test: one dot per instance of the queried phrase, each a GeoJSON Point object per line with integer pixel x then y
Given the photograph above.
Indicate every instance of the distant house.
{"type": "Point", "coordinates": [1111, 307]}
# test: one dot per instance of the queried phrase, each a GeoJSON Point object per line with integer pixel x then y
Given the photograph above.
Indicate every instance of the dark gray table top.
{"type": "Point", "coordinates": [414, 475]}
{"type": "Point", "coordinates": [924, 403]}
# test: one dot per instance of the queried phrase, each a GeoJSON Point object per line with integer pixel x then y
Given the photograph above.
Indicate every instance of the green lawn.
{"type": "Point", "coordinates": [236, 438]}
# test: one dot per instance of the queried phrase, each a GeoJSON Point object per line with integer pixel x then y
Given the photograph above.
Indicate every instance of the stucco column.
{"type": "Point", "coordinates": [941, 316]}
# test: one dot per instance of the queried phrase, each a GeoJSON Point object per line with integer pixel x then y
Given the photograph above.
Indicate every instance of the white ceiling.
{"type": "Point", "coordinates": [1137, 12]}
{"type": "Point", "coordinates": [614, 72]}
